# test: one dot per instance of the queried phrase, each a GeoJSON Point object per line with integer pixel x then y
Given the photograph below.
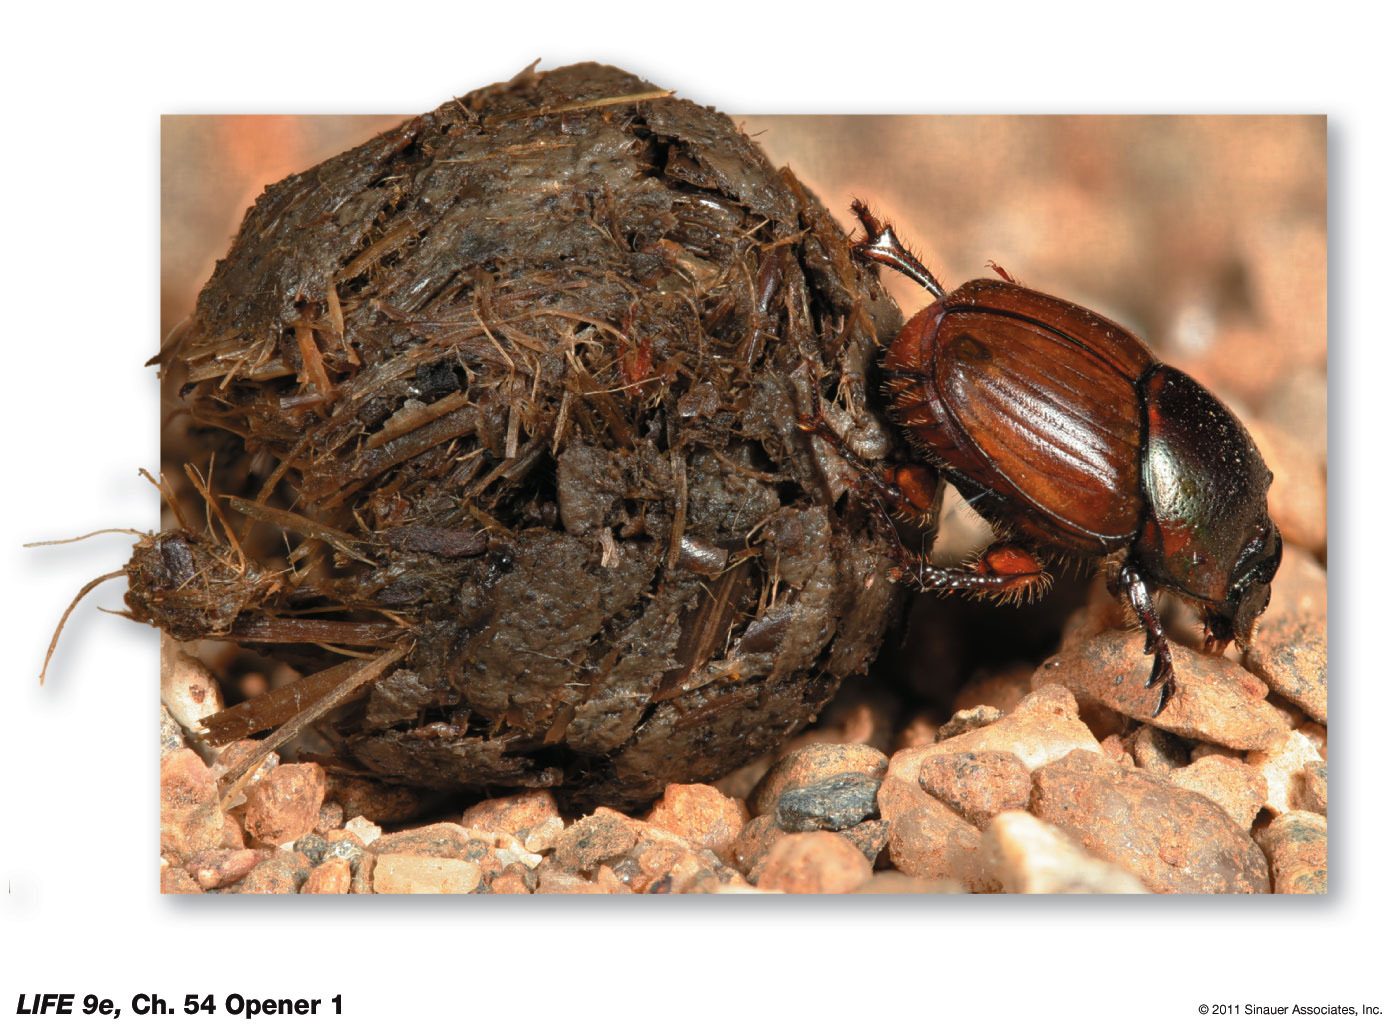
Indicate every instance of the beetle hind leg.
{"type": "Point", "coordinates": [881, 245]}
{"type": "Point", "coordinates": [1005, 572]}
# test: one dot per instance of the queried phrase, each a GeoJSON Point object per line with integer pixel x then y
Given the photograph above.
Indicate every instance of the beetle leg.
{"type": "Point", "coordinates": [881, 245]}
{"type": "Point", "coordinates": [1163, 675]}
{"type": "Point", "coordinates": [1004, 570]}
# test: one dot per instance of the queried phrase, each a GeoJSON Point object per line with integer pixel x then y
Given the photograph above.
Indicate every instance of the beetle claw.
{"type": "Point", "coordinates": [1163, 676]}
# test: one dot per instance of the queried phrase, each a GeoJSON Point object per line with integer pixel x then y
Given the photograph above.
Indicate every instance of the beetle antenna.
{"type": "Point", "coordinates": [1001, 271]}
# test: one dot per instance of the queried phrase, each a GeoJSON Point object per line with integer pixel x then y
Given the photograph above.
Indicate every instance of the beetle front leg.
{"type": "Point", "coordinates": [1163, 675]}
{"type": "Point", "coordinates": [882, 246]}
{"type": "Point", "coordinates": [914, 491]}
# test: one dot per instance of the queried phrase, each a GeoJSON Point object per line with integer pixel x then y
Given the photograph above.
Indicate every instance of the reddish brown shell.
{"type": "Point", "coordinates": [1030, 403]}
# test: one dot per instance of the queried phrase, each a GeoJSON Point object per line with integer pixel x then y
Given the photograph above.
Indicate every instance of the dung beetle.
{"type": "Point", "coordinates": [1071, 439]}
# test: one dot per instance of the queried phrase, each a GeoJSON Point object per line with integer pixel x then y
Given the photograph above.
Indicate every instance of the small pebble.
{"type": "Point", "coordinates": [217, 868]}
{"type": "Point", "coordinates": [411, 873]}
{"type": "Point", "coordinates": [187, 688]}
{"type": "Point", "coordinates": [313, 846]}
{"type": "Point", "coordinates": [608, 880]}
{"type": "Point", "coordinates": [1042, 728]}
{"type": "Point", "coordinates": [967, 720]}
{"type": "Point", "coordinates": [520, 815]}
{"type": "Point", "coordinates": [1290, 655]}
{"type": "Point", "coordinates": [818, 862]}
{"type": "Point", "coordinates": [190, 818]}
{"type": "Point", "coordinates": [362, 875]}
{"type": "Point", "coordinates": [331, 816]}
{"type": "Point", "coordinates": [511, 882]}
{"type": "Point", "coordinates": [870, 837]}
{"type": "Point", "coordinates": [663, 867]}
{"type": "Point", "coordinates": [701, 816]}
{"type": "Point", "coordinates": [1174, 840]}
{"type": "Point", "coordinates": [545, 836]}
{"type": "Point", "coordinates": [927, 838]}
{"type": "Point", "coordinates": [754, 841]}
{"type": "Point", "coordinates": [365, 830]}
{"type": "Point", "coordinates": [811, 764]}
{"type": "Point", "coordinates": [1235, 785]}
{"type": "Point", "coordinates": [285, 804]}
{"type": "Point", "coordinates": [172, 737]}
{"type": "Point", "coordinates": [1215, 700]}
{"type": "Point", "coordinates": [1157, 750]}
{"type": "Point", "coordinates": [593, 839]}
{"type": "Point", "coordinates": [977, 785]}
{"type": "Point", "coordinates": [382, 803]}
{"type": "Point", "coordinates": [279, 872]}
{"type": "Point", "coordinates": [1027, 855]}
{"type": "Point", "coordinates": [440, 840]}
{"type": "Point", "coordinates": [677, 868]}
{"type": "Point", "coordinates": [1317, 736]}
{"type": "Point", "coordinates": [508, 850]}
{"type": "Point", "coordinates": [1115, 748]}
{"type": "Point", "coordinates": [1282, 767]}
{"type": "Point", "coordinates": [1315, 787]}
{"type": "Point", "coordinates": [330, 876]}
{"type": "Point", "coordinates": [1199, 751]}
{"type": "Point", "coordinates": [1296, 846]}
{"type": "Point", "coordinates": [833, 803]}
{"type": "Point", "coordinates": [232, 835]}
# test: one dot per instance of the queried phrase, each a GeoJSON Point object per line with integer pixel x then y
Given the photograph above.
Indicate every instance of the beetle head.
{"type": "Point", "coordinates": [1235, 617]}
{"type": "Point", "coordinates": [1206, 531]}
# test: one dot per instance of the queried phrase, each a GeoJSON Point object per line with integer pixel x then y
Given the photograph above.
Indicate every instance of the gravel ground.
{"type": "Point", "coordinates": [1052, 787]}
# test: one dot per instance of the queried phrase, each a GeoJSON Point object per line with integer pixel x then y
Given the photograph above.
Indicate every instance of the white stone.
{"type": "Point", "coordinates": [1282, 766]}
{"type": "Point", "coordinates": [363, 828]}
{"type": "Point", "coordinates": [188, 691]}
{"type": "Point", "coordinates": [1030, 856]}
{"type": "Point", "coordinates": [409, 873]}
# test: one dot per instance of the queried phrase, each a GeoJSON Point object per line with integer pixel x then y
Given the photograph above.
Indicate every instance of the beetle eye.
{"type": "Point", "coordinates": [1257, 564]}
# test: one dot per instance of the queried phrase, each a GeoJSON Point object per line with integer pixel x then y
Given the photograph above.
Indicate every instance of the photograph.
{"type": "Point", "coordinates": [557, 500]}
{"type": "Point", "coordinates": [863, 475]}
